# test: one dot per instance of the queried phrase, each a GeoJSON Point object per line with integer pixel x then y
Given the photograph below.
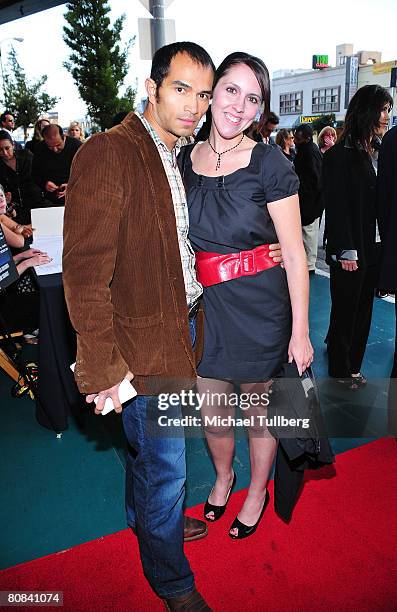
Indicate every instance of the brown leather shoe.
{"type": "Point", "coordinates": [194, 529]}
{"type": "Point", "coordinates": [192, 602]}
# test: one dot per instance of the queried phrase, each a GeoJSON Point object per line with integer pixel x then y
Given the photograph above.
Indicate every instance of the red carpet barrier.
{"type": "Point", "coordinates": [339, 552]}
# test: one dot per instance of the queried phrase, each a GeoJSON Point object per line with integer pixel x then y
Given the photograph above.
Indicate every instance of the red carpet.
{"type": "Point", "coordinates": [338, 553]}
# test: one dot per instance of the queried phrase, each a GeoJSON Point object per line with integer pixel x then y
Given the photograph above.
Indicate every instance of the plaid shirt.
{"type": "Point", "coordinates": [192, 286]}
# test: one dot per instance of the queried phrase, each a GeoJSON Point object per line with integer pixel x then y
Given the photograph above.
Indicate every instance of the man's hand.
{"type": "Point", "coordinates": [113, 393]}
{"type": "Point", "coordinates": [275, 253]}
{"type": "Point", "coordinates": [349, 266]}
{"type": "Point", "coordinates": [50, 186]}
{"type": "Point", "coordinates": [62, 190]}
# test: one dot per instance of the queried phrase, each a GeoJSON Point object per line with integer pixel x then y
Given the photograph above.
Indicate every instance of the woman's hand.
{"type": "Point", "coordinates": [301, 351]}
{"type": "Point", "coordinates": [35, 260]}
{"type": "Point", "coordinates": [348, 265]}
{"type": "Point", "coordinates": [27, 254]}
{"type": "Point", "coordinates": [39, 260]}
{"type": "Point", "coordinates": [27, 231]}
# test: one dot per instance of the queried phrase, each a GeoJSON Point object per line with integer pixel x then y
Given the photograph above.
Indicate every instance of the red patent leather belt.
{"type": "Point", "coordinates": [213, 268]}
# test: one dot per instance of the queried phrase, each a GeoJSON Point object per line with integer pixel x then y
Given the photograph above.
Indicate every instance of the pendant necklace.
{"type": "Point", "coordinates": [218, 163]}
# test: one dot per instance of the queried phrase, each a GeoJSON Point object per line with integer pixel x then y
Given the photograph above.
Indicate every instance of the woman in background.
{"type": "Point", "coordinates": [16, 178]}
{"type": "Point", "coordinates": [326, 138]}
{"type": "Point", "coordinates": [37, 137]}
{"type": "Point", "coordinates": [19, 310]}
{"type": "Point", "coordinates": [76, 131]}
{"type": "Point", "coordinates": [285, 140]}
{"type": "Point", "coordinates": [353, 244]}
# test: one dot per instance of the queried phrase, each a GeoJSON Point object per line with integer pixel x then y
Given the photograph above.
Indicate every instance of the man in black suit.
{"type": "Point", "coordinates": [52, 162]}
{"type": "Point", "coordinates": [307, 164]}
{"type": "Point", "coordinates": [387, 220]}
{"type": "Point", "coordinates": [387, 217]}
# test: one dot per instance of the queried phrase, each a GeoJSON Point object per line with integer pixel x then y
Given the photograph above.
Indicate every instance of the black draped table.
{"type": "Point", "coordinates": [57, 390]}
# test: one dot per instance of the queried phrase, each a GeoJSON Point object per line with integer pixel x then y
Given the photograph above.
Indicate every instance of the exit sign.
{"type": "Point", "coordinates": [320, 61]}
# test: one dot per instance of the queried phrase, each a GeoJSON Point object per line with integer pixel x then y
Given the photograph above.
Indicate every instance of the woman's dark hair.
{"type": "Point", "coordinates": [281, 137]}
{"type": "Point", "coordinates": [4, 135]}
{"type": "Point", "coordinates": [363, 113]}
{"type": "Point", "coordinates": [253, 132]}
{"type": "Point", "coordinates": [262, 75]}
{"type": "Point", "coordinates": [38, 127]}
{"type": "Point", "coordinates": [163, 57]}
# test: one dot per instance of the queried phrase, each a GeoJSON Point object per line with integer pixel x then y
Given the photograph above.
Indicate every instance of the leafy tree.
{"type": "Point", "coordinates": [127, 101]}
{"type": "Point", "coordinates": [23, 97]}
{"type": "Point", "coordinates": [97, 63]}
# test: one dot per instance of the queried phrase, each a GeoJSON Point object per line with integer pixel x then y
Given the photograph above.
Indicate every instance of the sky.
{"type": "Point", "coordinates": [285, 36]}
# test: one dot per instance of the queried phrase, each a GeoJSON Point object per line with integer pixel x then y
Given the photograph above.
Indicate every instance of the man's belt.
{"type": "Point", "coordinates": [213, 268]}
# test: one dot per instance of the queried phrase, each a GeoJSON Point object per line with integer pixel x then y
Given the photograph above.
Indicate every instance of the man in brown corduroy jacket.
{"type": "Point", "coordinates": [132, 294]}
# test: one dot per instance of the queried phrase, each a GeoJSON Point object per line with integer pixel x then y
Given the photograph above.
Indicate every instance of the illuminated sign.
{"type": "Point", "coordinates": [320, 62]}
{"type": "Point", "coordinates": [309, 118]}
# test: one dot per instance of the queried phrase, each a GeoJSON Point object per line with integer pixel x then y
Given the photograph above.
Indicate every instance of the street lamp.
{"type": "Point", "coordinates": [18, 39]}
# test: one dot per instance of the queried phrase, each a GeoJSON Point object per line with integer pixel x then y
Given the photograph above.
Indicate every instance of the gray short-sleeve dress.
{"type": "Point", "coordinates": [248, 319]}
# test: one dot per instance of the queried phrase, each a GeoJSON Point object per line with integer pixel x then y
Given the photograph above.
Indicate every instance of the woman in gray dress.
{"type": "Point", "coordinates": [242, 196]}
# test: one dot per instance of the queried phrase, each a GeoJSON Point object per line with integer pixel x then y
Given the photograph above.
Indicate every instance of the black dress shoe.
{"type": "Point", "coordinates": [193, 529]}
{"type": "Point", "coordinates": [353, 383]}
{"type": "Point", "coordinates": [246, 530]}
{"type": "Point", "coordinates": [218, 510]}
{"type": "Point", "coordinates": [192, 602]}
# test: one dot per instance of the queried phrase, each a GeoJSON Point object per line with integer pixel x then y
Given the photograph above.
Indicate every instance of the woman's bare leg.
{"type": "Point", "coordinates": [262, 449]}
{"type": "Point", "coordinates": [220, 438]}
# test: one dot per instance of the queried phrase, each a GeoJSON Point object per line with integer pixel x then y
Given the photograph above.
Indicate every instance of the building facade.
{"type": "Point", "coordinates": [302, 96]}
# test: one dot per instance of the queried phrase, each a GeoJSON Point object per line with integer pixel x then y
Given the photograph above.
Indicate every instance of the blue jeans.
{"type": "Point", "coordinates": [155, 492]}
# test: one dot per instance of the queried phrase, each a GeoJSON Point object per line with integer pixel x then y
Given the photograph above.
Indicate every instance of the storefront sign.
{"type": "Point", "coordinates": [309, 118]}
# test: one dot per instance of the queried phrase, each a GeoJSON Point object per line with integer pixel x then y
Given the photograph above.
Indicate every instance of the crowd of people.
{"type": "Point", "coordinates": [198, 266]}
{"type": "Point", "coordinates": [34, 176]}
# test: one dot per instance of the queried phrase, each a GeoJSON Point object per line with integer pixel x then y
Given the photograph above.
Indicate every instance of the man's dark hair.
{"type": "Point", "coordinates": [5, 135]}
{"type": "Point", "coordinates": [273, 118]}
{"type": "Point", "coordinates": [52, 128]}
{"type": "Point", "coordinates": [118, 117]}
{"type": "Point", "coordinates": [163, 57]}
{"type": "Point", "coordinates": [305, 129]}
{"type": "Point", "coordinates": [363, 113]}
{"type": "Point", "coordinates": [4, 115]}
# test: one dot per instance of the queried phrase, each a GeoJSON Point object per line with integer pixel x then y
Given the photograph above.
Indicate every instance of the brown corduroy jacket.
{"type": "Point", "coordinates": [122, 271]}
